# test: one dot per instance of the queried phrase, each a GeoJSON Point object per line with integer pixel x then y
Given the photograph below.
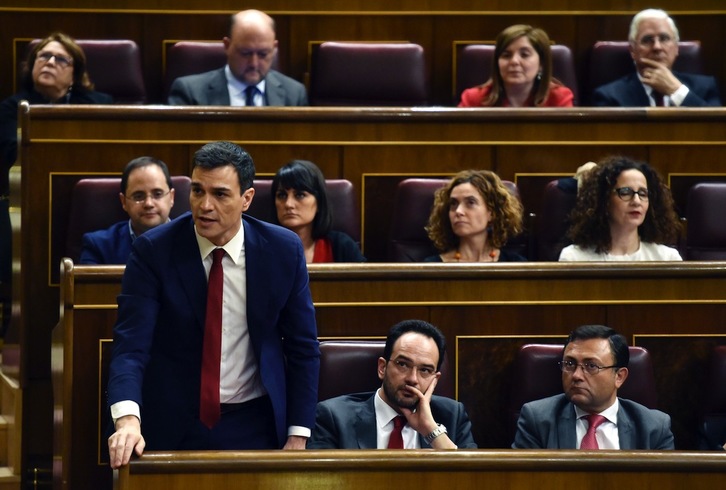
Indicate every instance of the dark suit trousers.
{"type": "Point", "coordinates": [249, 425]}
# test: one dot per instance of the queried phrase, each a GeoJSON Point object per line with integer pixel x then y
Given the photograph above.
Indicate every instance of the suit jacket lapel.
{"type": "Point", "coordinates": [566, 433]}
{"type": "Point", "coordinates": [275, 92]}
{"type": "Point", "coordinates": [367, 438]}
{"type": "Point", "coordinates": [190, 271]}
{"type": "Point", "coordinates": [218, 92]}
{"type": "Point", "coordinates": [626, 430]}
{"type": "Point", "coordinates": [637, 96]}
{"type": "Point", "coordinates": [256, 260]}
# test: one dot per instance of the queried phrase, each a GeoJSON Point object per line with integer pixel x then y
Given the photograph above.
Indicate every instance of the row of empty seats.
{"type": "Point", "coordinates": [95, 206]}
{"type": "Point", "coordinates": [360, 73]}
{"type": "Point", "coordinates": [349, 367]}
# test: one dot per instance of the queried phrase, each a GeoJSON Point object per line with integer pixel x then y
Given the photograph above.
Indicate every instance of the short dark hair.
{"type": "Point", "coordinates": [303, 175]}
{"type": "Point", "coordinates": [143, 162]}
{"type": "Point", "coordinates": [618, 343]}
{"type": "Point", "coordinates": [417, 326]}
{"type": "Point", "coordinates": [221, 153]}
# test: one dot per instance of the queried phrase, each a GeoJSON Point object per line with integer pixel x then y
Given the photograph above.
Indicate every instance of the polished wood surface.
{"type": "Point", "coordinates": [677, 311]}
{"type": "Point", "coordinates": [420, 470]}
{"type": "Point", "coordinates": [374, 149]}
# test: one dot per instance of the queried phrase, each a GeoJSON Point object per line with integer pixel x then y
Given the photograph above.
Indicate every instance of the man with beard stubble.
{"type": "Point", "coordinates": [409, 371]}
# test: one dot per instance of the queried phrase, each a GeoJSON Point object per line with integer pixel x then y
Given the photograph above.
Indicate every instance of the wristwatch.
{"type": "Point", "coordinates": [441, 429]}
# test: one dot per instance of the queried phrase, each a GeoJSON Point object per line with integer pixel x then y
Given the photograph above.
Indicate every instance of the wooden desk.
{"type": "Point", "coordinates": [422, 470]}
{"type": "Point", "coordinates": [375, 148]}
{"type": "Point", "coordinates": [676, 311]}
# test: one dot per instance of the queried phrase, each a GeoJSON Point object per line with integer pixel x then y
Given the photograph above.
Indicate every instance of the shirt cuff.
{"type": "Point", "coordinates": [123, 408]}
{"type": "Point", "coordinates": [296, 430]}
{"type": "Point", "coordinates": [679, 95]}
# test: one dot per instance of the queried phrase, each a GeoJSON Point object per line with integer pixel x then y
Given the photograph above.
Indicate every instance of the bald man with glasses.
{"type": "Point", "coordinates": [589, 414]}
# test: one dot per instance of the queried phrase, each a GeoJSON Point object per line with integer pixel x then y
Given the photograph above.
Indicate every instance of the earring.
{"type": "Point", "coordinates": [539, 76]}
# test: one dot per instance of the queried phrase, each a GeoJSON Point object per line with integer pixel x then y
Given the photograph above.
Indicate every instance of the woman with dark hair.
{"type": "Point", "coordinates": [521, 73]}
{"type": "Point", "coordinates": [54, 73]}
{"type": "Point", "coordinates": [624, 211]}
{"type": "Point", "coordinates": [300, 203]}
{"type": "Point", "coordinates": [472, 218]}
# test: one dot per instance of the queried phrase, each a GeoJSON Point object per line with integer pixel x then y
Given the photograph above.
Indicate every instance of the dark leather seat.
{"type": "Point", "coordinates": [552, 220]}
{"type": "Point", "coordinates": [95, 206]}
{"type": "Point", "coordinates": [610, 60]}
{"type": "Point", "coordinates": [368, 74]}
{"type": "Point", "coordinates": [536, 375]}
{"type": "Point", "coordinates": [114, 66]}
{"type": "Point", "coordinates": [192, 57]}
{"type": "Point", "coordinates": [413, 201]}
{"type": "Point", "coordinates": [713, 418]}
{"type": "Point", "coordinates": [706, 233]}
{"type": "Point", "coordinates": [351, 366]}
{"type": "Point", "coordinates": [474, 63]}
{"type": "Point", "coordinates": [341, 200]}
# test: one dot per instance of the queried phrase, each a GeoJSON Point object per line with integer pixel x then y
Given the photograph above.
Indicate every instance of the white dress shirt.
{"type": "Point", "coordinates": [384, 426]}
{"type": "Point", "coordinates": [236, 90]}
{"type": "Point", "coordinates": [607, 433]}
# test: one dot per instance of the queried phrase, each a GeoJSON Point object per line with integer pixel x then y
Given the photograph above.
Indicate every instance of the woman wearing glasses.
{"type": "Point", "coordinates": [54, 73]}
{"type": "Point", "coordinates": [624, 211]}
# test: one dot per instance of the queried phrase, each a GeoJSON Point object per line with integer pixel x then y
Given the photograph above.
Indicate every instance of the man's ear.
{"type": "Point", "coordinates": [381, 368]}
{"type": "Point", "coordinates": [620, 377]}
{"type": "Point", "coordinates": [247, 196]}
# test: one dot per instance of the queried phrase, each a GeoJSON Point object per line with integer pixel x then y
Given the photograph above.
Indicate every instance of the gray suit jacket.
{"type": "Point", "coordinates": [210, 88]}
{"type": "Point", "coordinates": [349, 422]}
{"type": "Point", "coordinates": [550, 424]}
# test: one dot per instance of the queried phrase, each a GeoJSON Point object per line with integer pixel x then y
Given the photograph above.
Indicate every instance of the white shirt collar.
{"type": "Point", "coordinates": [384, 413]}
{"type": "Point", "coordinates": [233, 247]}
{"type": "Point", "coordinates": [238, 86]}
{"type": "Point", "coordinates": [610, 413]}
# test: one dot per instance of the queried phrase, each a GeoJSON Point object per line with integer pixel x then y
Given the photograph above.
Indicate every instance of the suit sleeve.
{"type": "Point", "coordinates": [325, 434]}
{"type": "Point", "coordinates": [664, 439]}
{"type": "Point", "coordinates": [301, 348]}
{"type": "Point", "coordinates": [90, 253]}
{"type": "Point", "coordinates": [526, 436]}
{"type": "Point", "coordinates": [462, 436]}
{"type": "Point", "coordinates": [179, 94]}
{"type": "Point", "coordinates": [707, 97]}
{"type": "Point", "coordinates": [600, 98]}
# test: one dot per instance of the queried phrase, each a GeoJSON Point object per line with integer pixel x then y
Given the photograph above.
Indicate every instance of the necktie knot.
{"type": "Point", "coordinates": [590, 441]}
{"type": "Point", "coordinates": [217, 256]}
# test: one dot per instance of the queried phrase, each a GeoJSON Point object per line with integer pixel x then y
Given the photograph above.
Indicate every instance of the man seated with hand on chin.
{"type": "Point", "coordinates": [404, 413]}
{"type": "Point", "coordinates": [653, 42]}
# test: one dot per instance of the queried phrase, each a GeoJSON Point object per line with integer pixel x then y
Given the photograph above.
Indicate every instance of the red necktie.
{"type": "Point", "coordinates": [212, 348]}
{"type": "Point", "coordinates": [589, 441]}
{"type": "Point", "coordinates": [396, 440]}
{"type": "Point", "coordinates": [658, 98]}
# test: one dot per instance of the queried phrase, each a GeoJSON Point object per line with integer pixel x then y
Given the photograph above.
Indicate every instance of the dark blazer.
{"type": "Point", "coordinates": [210, 88]}
{"type": "Point", "coordinates": [550, 424]}
{"type": "Point", "coordinates": [344, 248]}
{"type": "Point", "coordinates": [629, 92]}
{"type": "Point", "coordinates": [109, 246]}
{"type": "Point", "coordinates": [349, 422]}
{"type": "Point", "coordinates": [157, 346]}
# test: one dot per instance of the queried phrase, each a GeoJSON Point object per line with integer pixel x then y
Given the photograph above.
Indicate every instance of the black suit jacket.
{"type": "Point", "coordinates": [628, 91]}
{"type": "Point", "coordinates": [349, 422]}
{"type": "Point", "coordinates": [210, 88]}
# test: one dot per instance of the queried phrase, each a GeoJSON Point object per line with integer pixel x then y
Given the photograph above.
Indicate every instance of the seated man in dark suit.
{"type": "Point", "coordinates": [654, 47]}
{"type": "Point", "coordinates": [147, 196]}
{"type": "Point", "coordinates": [589, 415]}
{"type": "Point", "coordinates": [403, 413]}
{"type": "Point", "coordinates": [247, 79]}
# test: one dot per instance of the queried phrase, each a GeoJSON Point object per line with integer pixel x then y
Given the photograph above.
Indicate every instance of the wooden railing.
{"type": "Point", "coordinates": [676, 311]}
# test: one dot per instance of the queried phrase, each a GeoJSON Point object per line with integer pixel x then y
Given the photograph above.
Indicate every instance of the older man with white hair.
{"type": "Point", "coordinates": [654, 47]}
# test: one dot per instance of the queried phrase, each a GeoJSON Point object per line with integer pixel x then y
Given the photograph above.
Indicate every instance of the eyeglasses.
{"type": "Point", "coordinates": [628, 193]}
{"type": "Point", "coordinates": [405, 367]}
{"type": "Point", "coordinates": [587, 367]}
{"type": "Point", "coordinates": [649, 39]}
{"type": "Point", "coordinates": [141, 197]}
{"type": "Point", "coordinates": [59, 59]}
{"type": "Point", "coordinates": [262, 54]}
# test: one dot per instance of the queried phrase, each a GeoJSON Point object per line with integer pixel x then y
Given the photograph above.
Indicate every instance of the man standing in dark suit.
{"type": "Point", "coordinates": [147, 196]}
{"type": "Point", "coordinates": [409, 370]}
{"type": "Point", "coordinates": [247, 79]}
{"type": "Point", "coordinates": [255, 318]}
{"type": "Point", "coordinates": [589, 415]}
{"type": "Point", "coordinates": [654, 47]}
